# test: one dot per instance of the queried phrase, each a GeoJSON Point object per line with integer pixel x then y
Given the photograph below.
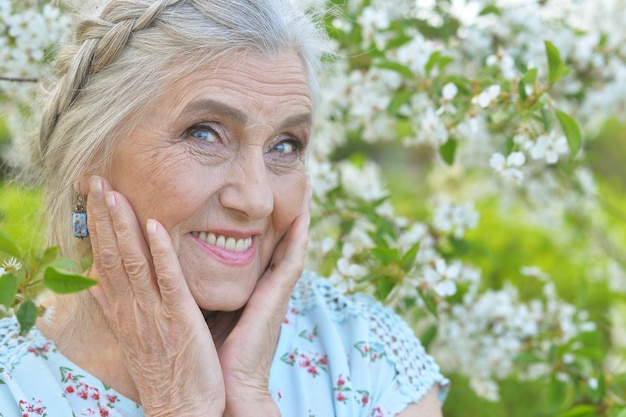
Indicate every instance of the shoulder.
{"type": "Point", "coordinates": [364, 324]}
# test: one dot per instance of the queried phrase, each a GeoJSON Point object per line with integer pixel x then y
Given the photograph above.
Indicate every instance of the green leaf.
{"type": "Point", "coordinates": [8, 246]}
{"type": "Point", "coordinates": [398, 100]}
{"type": "Point", "coordinates": [432, 60]}
{"type": "Point", "coordinates": [64, 282]}
{"type": "Point", "coordinates": [521, 89]}
{"type": "Point", "coordinates": [448, 150]}
{"type": "Point", "coordinates": [530, 76]}
{"type": "Point", "coordinates": [490, 9]}
{"type": "Point", "coordinates": [403, 70]}
{"type": "Point", "coordinates": [8, 289]}
{"type": "Point", "coordinates": [26, 315]}
{"type": "Point", "coordinates": [62, 263]}
{"type": "Point", "coordinates": [384, 286]}
{"type": "Point", "coordinates": [582, 410]}
{"type": "Point", "coordinates": [49, 255]}
{"type": "Point", "coordinates": [547, 118]}
{"type": "Point", "coordinates": [555, 65]}
{"type": "Point", "coordinates": [556, 393]}
{"type": "Point", "coordinates": [429, 301]}
{"type": "Point", "coordinates": [571, 130]}
{"type": "Point", "coordinates": [408, 260]}
{"type": "Point", "coordinates": [527, 358]}
{"type": "Point", "coordinates": [388, 255]}
{"type": "Point", "coordinates": [541, 102]}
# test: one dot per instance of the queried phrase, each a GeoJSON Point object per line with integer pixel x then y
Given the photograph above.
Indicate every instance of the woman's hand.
{"type": "Point", "coordinates": [246, 354]}
{"type": "Point", "coordinates": [165, 342]}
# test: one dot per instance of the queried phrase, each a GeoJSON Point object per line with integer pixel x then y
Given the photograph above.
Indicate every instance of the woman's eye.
{"type": "Point", "coordinates": [203, 133]}
{"type": "Point", "coordinates": [287, 147]}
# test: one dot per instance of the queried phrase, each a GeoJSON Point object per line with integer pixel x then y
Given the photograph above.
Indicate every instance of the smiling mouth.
{"type": "Point", "coordinates": [229, 243]}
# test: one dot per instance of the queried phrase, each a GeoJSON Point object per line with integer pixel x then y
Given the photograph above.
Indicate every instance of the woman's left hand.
{"type": "Point", "coordinates": [247, 353]}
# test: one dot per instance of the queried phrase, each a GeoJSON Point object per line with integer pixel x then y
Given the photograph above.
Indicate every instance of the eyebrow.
{"type": "Point", "coordinates": [215, 106]}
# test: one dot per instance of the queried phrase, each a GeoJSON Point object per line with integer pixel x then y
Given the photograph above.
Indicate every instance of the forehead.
{"type": "Point", "coordinates": [247, 82]}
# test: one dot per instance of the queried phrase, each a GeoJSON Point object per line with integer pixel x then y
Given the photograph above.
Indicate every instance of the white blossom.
{"type": "Point", "coordinates": [487, 97]}
{"type": "Point", "coordinates": [455, 218]}
{"type": "Point", "coordinates": [364, 182]}
{"type": "Point", "coordinates": [416, 53]}
{"type": "Point", "coordinates": [508, 167]}
{"type": "Point", "coordinates": [373, 20]}
{"type": "Point", "coordinates": [10, 266]}
{"type": "Point", "coordinates": [549, 147]}
{"type": "Point", "coordinates": [442, 277]}
{"type": "Point", "coordinates": [449, 91]}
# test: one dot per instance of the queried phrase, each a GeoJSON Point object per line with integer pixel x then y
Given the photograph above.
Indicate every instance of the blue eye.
{"type": "Point", "coordinates": [203, 133]}
{"type": "Point", "coordinates": [286, 147]}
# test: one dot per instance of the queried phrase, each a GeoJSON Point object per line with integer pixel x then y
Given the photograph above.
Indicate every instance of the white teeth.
{"type": "Point", "coordinates": [242, 245]}
{"type": "Point", "coordinates": [228, 243]}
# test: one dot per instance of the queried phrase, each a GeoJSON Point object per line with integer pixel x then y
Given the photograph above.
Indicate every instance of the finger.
{"type": "Point", "coordinates": [107, 258]}
{"type": "Point", "coordinates": [279, 251]}
{"type": "Point", "coordinates": [133, 249]}
{"type": "Point", "coordinates": [288, 259]}
{"type": "Point", "coordinates": [175, 293]}
{"type": "Point", "coordinates": [308, 196]}
{"type": "Point", "coordinates": [268, 303]}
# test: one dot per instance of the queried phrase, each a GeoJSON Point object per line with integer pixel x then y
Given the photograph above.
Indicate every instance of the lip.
{"type": "Point", "coordinates": [226, 256]}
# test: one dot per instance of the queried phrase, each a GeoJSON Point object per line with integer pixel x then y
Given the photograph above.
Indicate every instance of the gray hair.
{"type": "Point", "coordinates": [115, 68]}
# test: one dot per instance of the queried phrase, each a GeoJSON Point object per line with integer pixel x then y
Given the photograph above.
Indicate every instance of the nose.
{"type": "Point", "coordinates": [248, 192]}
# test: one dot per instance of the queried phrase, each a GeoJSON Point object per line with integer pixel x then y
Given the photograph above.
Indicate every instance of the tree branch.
{"type": "Point", "coordinates": [19, 79]}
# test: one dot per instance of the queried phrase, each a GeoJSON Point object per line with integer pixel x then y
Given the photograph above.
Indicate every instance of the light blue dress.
{"type": "Point", "coordinates": [337, 355]}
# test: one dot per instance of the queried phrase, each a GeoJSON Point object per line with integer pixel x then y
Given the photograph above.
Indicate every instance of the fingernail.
{"type": "Point", "coordinates": [109, 199]}
{"type": "Point", "coordinates": [151, 226]}
{"type": "Point", "coordinates": [95, 186]}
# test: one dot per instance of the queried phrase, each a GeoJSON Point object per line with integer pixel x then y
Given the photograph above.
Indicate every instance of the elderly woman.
{"type": "Point", "coordinates": [181, 128]}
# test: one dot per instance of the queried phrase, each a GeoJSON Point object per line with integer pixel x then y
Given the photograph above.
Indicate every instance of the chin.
{"type": "Point", "coordinates": [228, 298]}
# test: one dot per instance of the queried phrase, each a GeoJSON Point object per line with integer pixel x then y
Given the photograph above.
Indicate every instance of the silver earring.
{"type": "Point", "coordinates": [79, 218]}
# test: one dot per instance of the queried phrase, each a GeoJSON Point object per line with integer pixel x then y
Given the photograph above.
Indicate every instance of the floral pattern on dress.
{"type": "Point", "coordinates": [344, 392]}
{"type": "Point", "coordinates": [369, 352]}
{"type": "Point", "coordinates": [75, 386]}
{"type": "Point", "coordinates": [32, 409]}
{"type": "Point", "coordinates": [312, 362]}
{"type": "Point", "coordinates": [309, 335]}
{"type": "Point", "coordinates": [342, 389]}
{"type": "Point", "coordinates": [42, 350]}
{"type": "Point", "coordinates": [291, 313]}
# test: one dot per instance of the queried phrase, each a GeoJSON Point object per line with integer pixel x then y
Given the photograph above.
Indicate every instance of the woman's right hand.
{"type": "Point", "coordinates": [164, 340]}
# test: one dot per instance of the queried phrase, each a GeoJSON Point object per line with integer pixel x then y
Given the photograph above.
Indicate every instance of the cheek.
{"type": "Point", "coordinates": [288, 197]}
{"type": "Point", "coordinates": [158, 185]}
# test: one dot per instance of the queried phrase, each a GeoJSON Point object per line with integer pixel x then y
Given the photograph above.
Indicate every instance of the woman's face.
{"type": "Point", "coordinates": [220, 163]}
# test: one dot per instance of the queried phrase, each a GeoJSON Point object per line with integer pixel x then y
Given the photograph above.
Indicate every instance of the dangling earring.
{"type": "Point", "coordinates": [79, 218]}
